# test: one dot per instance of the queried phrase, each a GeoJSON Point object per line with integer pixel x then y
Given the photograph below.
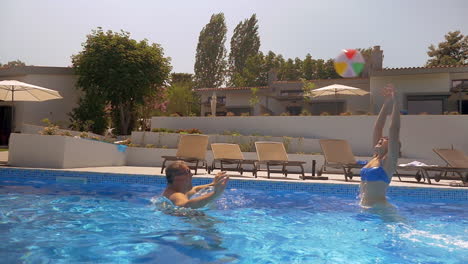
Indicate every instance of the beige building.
{"type": "Point", "coordinates": [61, 79]}
{"type": "Point", "coordinates": [431, 90]}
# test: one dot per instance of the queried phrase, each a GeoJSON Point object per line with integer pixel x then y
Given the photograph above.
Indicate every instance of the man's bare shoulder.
{"type": "Point", "coordinates": [177, 198]}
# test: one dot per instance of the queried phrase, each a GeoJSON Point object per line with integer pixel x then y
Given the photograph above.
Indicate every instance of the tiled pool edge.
{"type": "Point", "coordinates": [325, 188]}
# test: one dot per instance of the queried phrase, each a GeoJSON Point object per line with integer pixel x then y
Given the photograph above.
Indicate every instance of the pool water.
{"type": "Point", "coordinates": [48, 222]}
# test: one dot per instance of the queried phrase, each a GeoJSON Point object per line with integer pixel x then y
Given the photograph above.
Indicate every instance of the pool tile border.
{"type": "Point", "coordinates": [318, 188]}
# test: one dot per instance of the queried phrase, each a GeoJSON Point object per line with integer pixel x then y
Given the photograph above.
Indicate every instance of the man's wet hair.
{"type": "Point", "coordinates": [174, 169]}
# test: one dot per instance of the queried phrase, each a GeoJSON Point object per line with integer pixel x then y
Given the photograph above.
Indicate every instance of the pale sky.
{"type": "Point", "coordinates": [48, 32]}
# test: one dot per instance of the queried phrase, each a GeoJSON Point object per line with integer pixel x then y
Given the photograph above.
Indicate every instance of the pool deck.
{"type": "Point", "coordinates": [407, 181]}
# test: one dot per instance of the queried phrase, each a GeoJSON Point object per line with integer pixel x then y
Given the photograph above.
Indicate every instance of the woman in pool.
{"type": "Point", "coordinates": [377, 174]}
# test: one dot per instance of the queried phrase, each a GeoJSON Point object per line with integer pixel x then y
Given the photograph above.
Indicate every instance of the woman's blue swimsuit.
{"type": "Point", "coordinates": [374, 174]}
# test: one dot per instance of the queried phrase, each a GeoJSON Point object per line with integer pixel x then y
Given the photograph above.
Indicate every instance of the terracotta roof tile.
{"type": "Point", "coordinates": [230, 88]}
{"type": "Point", "coordinates": [425, 67]}
{"type": "Point", "coordinates": [357, 78]}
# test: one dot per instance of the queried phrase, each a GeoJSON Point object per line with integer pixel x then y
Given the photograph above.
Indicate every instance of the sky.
{"type": "Point", "coordinates": [49, 32]}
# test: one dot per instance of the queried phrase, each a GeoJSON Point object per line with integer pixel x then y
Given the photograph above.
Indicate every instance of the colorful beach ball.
{"type": "Point", "coordinates": [349, 63]}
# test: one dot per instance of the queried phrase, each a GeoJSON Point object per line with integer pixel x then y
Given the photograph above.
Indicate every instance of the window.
{"type": "Point", "coordinates": [291, 93]}
{"type": "Point", "coordinates": [428, 104]}
{"type": "Point", "coordinates": [459, 91]}
{"type": "Point", "coordinates": [219, 100]}
{"type": "Point", "coordinates": [459, 86]}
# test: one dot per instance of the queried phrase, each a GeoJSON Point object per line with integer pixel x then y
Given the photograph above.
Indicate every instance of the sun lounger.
{"type": "Point", "coordinates": [191, 149]}
{"type": "Point", "coordinates": [274, 154]}
{"type": "Point", "coordinates": [415, 166]}
{"type": "Point", "coordinates": [457, 163]}
{"type": "Point", "coordinates": [231, 154]}
{"type": "Point", "coordinates": [337, 154]}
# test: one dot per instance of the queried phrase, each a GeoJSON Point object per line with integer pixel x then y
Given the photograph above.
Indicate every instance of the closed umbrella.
{"type": "Point", "coordinates": [337, 89]}
{"type": "Point", "coordinates": [214, 100]}
{"type": "Point", "coordinates": [12, 90]}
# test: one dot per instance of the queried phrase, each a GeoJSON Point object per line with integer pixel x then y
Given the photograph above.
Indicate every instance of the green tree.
{"type": "Point", "coordinates": [452, 51]}
{"type": "Point", "coordinates": [291, 70]}
{"type": "Point", "coordinates": [245, 43]}
{"type": "Point", "coordinates": [330, 72]}
{"type": "Point", "coordinates": [182, 99]}
{"type": "Point", "coordinates": [90, 115]}
{"type": "Point", "coordinates": [210, 60]}
{"type": "Point", "coordinates": [255, 72]}
{"type": "Point", "coordinates": [308, 69]}
{"type": "Point", "coordinates": [121, 71]}
{"type": "Point", "coordinates": [182, 77]}
{"type": "Point", "coordinates": [16, 63]}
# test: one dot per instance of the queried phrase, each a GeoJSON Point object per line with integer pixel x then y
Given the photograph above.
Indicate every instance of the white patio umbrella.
{"type": "Point", "coordinates": [12, 90]}
{"type": "Point", "coordinates": [337, 89]}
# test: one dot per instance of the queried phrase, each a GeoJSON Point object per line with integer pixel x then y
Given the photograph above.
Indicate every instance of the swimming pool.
{"type": "Point", "coordinates": [44, 220]}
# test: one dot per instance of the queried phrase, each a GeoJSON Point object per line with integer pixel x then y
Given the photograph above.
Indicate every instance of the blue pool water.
{"type": "Point", "coordinates": [49, 222]}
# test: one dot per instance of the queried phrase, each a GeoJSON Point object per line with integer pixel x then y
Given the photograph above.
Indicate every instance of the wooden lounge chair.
{"type": "Point", "coordinates": [337, 154]}
{"type": "Point", "coordinates": [457, 163]}
{"type": "Point", "coordinates": [231, 154]}
{"type": "Point", "coordinates": [274, 154]}
{"type": "Point", "coordinates": [191, 149]}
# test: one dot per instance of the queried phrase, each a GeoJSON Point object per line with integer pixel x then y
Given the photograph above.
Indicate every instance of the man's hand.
{"type": "Point", "coordinates": [220, 182]}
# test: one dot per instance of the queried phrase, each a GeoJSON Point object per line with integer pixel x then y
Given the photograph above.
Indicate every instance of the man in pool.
{"type": "Point", "coordinates": [377, 174]}
{"type": "Point", "coordinates": [179, 186]}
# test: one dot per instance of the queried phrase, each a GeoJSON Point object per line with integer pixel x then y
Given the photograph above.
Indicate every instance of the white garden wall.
{"type": "Point", "coordinates": [419, 133]}
{"type": "Point", "coordinates": [41, 151]}
{"type": "Point", "coordinates": [247, 143]}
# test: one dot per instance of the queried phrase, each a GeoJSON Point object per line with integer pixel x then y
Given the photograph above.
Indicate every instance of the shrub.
{"type": "Point", "coordinates": [150, 146]}
{"type": "Point", "coordinates": [245, 114]}
{"type": "Point", "coordinates": [230, 114]}
{"type": "Point", "coordinates": [50, 129]}
{"type": "Point", "coordinates": [325, 114]}
{"type": "Point", "coordinates": [133, 145]}
{"type": "Point", "coordinates": [266, 114]}
{"type": "Point", "coordinates": [163, 130]}
{"type": "Point", "coordinates": [305, 112]}
{"type": "Point", "coordinates": [174, 115]}
{"type": "Point", "coordinates": [66, 134]}
{"type": "Point", "coordinates": [194, 131]}
{"type": "Point", "coordinates": [84, 135]}
{"type": "Point", "coordinates": [231, 133]}
{"type": "Point", "coordinates": [285, 114]}
{"type": "Point", "coordinates": [451, 113]}
{"type": "Point", "coordinates": [346, 114]}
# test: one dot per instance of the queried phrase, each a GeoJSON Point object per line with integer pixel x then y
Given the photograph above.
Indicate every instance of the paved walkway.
{"type": "Point", "coordinates": [407, 181]}
{"type": "Point", "coordinates": [262, 176]}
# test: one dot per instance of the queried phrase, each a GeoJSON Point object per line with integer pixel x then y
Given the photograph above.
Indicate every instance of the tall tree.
{"type": "Point", "coordinates": [210, 60]}
{"type": "Point", "coordinates": [255, 72]}
{"type": "Point", "coordinates": [330, 72]}
{"type": "Point", "coordinates": [245, 43]}
{"type": "Point", "coordinates": [452, 51]}
{"type": "Point", "coordinates": [121, 71]}
{"type": "Point", "coordinates": [308, 68]}
{"type": "Point", "coordinates": [177, 77]}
